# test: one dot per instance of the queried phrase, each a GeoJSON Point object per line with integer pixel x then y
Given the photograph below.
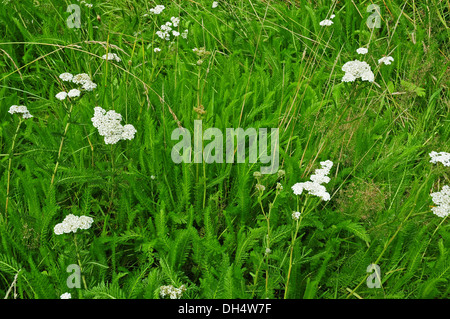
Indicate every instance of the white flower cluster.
{"type": "Point", "coordinates": [82, 79]}
{"type": "Point", "coordinates": [295, 215]}
{"type": "Point", "coordinates": [175, 21]}
{"type": "Point", "coordinates": [20, 109]}
{"type": "Point", "coordinates": [89, 86]}
{"type": "Point", "coordinates": [61, 95]}
{"type": "Point", "coordinates": [315, 187]}
{"type": "Point", "coordinates": [158, 9]}
{"type": "Point", "coordinates": [111, 56]}
{"type": "Point", "coordinates": [260, 188]}
{"type": "Point", "coordinates": [357, 69]}
{"type": "Point", "coordinates": [441, 157]}
{"type": "Point", "coordinates": [442, 200]}
{"type": "Point", "coordinates": [72, 223]}
{"type": "Point", "coordinates": [386, 60]}
{"type": "Point", "coordinates": [66, 295]}
{"type": "Point", "coordinates": [66, 76]}
{"type": "Point", "coordinates": [166, 29]}
{"type": "Point", "coordinates": [327, 22]}
{"type": "Point", "coordinates": [362, 51]}
{"type": "Point", "coordinates": [89, 5]}
{"type": "Point", "coordinates": [201, 53]}
{"type": "Point", "coordinates": [171, 291]}
{"type": "Point", "coordinates": [74, 93]}
{"type": "Point", "coordinates": [108, 125]}
{"type": "Point", "coordinates": [215, 4]}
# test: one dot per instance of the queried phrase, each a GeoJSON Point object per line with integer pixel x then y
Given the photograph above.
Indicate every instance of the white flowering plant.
{"type": "Point", "coordinates": [83, 81]}
{"type": "Point", "coordinates": [441, 199]}
{"type": "Point", "coordinates": [69, 230]}
{"type": "Point", "coordinates": [168, 32]}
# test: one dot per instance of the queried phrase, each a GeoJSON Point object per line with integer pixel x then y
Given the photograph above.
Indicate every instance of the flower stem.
{"type": "Point", "coordinates": [61, 145]}
{"type": "Point", "coordinates": [79, 261]}
{"type": "Point", "coordinates": [113, 167]}
{"type": "Point", "coordinates": [9, 167]}
{"type": "Point", "coordinates": [294, 238]}
{"type": "Point", "coordinates": [267, 217]}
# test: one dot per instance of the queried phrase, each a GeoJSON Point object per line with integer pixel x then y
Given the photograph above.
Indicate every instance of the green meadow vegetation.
{"type": "Point", "coordinates": [221, 230]}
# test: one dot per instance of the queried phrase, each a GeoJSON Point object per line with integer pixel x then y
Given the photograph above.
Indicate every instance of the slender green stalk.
{"type": "Point", "coordinates": [9, 167]}
{"type": "Point", "coordinates": [79, 260]}
{"type": "Point", "coordinates": [61, 145]}
{"type": "Point", "coordinates": [293, 239]}
{"type": "Point", "coordinates": [112, 175]}
{"type": "Point", "coordinates": [267, 250]}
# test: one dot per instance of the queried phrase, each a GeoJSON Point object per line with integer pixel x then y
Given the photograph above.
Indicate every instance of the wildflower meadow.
{"type": "Point", "coordinates": [231, 149]}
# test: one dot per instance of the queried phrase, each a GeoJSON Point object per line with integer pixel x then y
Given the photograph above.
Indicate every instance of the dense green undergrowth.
{"type": "Point", "coordinates": [206, 226]}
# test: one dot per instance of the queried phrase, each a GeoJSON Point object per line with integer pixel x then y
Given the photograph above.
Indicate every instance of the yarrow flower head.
{"type": "Point", "coordinates": [74, 93]}
{"type": "Point", "coordinates": [66, 295]}
{"type": "Point", "coordinates": [202, 53]}
{"type": "Point", "coordinates": [164, 33]}
{"type": "Point", "coordinates": [257, 174]}
{"type": "Point", "coordinates": [20, 109]}
{"type": "Point", "coordinates": [81, 78]}
{"type": "Point", "coordinates": [215, 4]}
{"type": "Point", "coordinates": [158, 9]}
{"type": "Point", "coordinates": [108, 125]}
{"type": "Point", "coordinates": [128, 132]}
{"type": "Point", "coordinates": [357, 69]}
{"type": "Point", "coordinates": [166, 30]}
{"type": "Point", "coordinates": [175, 21]}
{"type": "Point", "coordinates": [111, 56]}
{"type": "Point", "coordinates": [72, 223]}
{"type": "Point", "coordinates": [314, 186]}
{"type": "Point", "coordinates": [89, 5]}
{"type": "Point", "coordinates": [260, 187]}
{"type": "Point", "coordinates": [326, 23]}
{"type": "Point", "coordinates": [89, 86]}
{"type": "Point", "coordinates": [442, 201]}
{"type": "Point", "coordinates": [61, 95]}
{"type": "Point", "coordinates": [66, 76]}
{"type": "Point", "coordinates": [362, 51]}
{"type": "Point", "coordinates": [441, 157]}
{"type": "Point", "coordinates": [386, 60]}
{"type": "Point", "coordinates": [295, 215]}
{"type": "Point", "coordinates": [171, 291]}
